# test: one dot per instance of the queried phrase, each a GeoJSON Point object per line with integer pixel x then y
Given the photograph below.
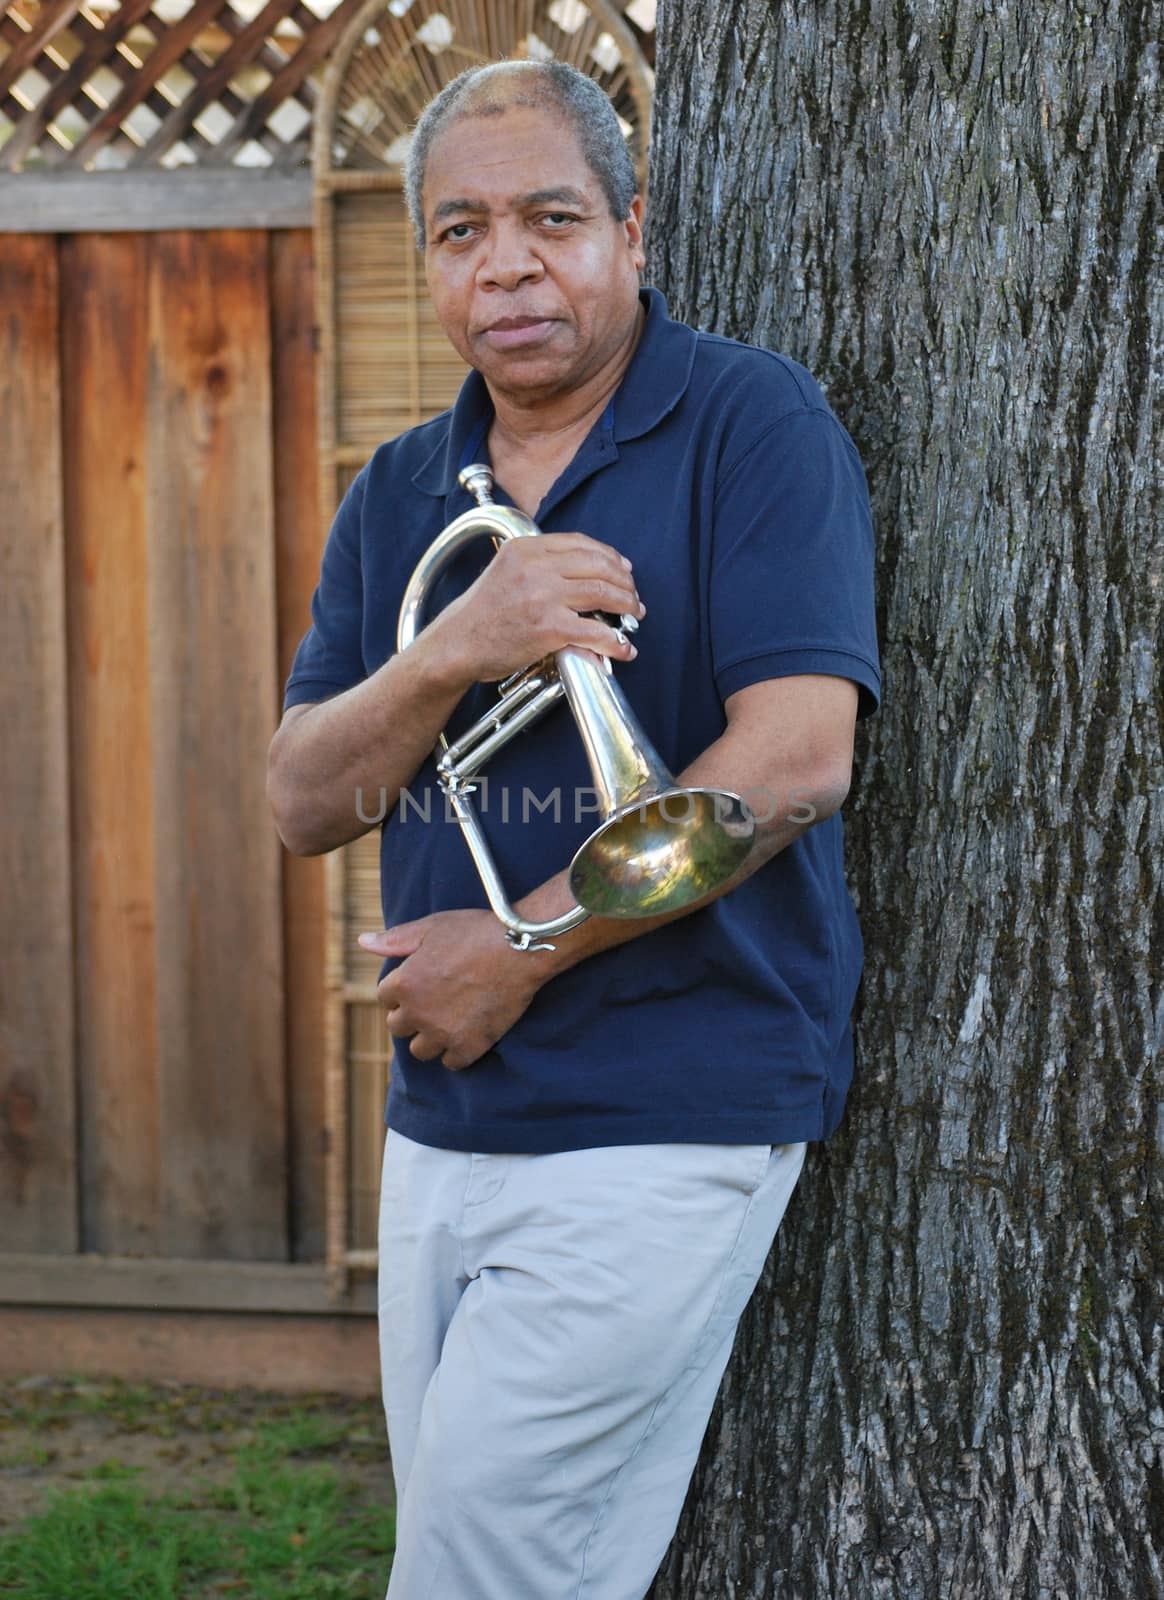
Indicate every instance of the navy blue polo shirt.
{"type": "Point", "coordinates": [722, 473]}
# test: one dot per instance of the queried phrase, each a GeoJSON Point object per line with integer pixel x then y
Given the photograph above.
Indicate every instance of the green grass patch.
{"type": "Point", "coordinates": [269, 1535]}
{"type": "Point", "coordinates": [286, 1518]}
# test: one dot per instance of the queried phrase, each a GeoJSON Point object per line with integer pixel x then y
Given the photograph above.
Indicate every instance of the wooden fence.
{"type": "Point", "coordinates": [161, 1013]}
{"type": "Point", "coordinates": [185, 1020]}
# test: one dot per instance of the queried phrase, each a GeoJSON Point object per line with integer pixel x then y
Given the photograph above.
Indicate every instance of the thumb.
{"type": "Point", "coordinates": [399, 941]}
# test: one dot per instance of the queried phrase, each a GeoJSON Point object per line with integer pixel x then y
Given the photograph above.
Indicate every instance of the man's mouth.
{"type": "Point", "coordinates": [510, 333]}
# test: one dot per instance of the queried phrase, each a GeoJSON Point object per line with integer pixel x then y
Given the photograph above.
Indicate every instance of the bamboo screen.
{"type": "Point", "coordinates": [385, 366]}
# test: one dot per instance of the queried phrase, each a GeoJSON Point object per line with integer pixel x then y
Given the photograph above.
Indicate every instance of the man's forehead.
{"type": "Point", "coordinates": [506, 121]}
{"type": "Point", "coordinates": [508, 158]}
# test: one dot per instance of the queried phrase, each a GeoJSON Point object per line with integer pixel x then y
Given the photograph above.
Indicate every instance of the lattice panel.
{"type": "Point", "coordinates": [166, 84]}
{"type": "Point", "coordinates": [172, 83]}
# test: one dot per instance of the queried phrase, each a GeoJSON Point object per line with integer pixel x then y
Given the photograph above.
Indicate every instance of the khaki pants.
{"type": "Point", "coordinates": [553, 1331]}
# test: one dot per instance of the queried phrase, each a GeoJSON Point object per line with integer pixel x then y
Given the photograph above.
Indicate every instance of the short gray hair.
{"type": "Point", "coordinates": [549, 85]}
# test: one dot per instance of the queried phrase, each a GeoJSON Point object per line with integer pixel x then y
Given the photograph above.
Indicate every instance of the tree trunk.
{"type": "Point", "coordinates": [948, 1384]}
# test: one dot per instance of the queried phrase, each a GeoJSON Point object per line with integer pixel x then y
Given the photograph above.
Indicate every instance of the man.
{"type": "Point", "coordinates": [590, 1147]}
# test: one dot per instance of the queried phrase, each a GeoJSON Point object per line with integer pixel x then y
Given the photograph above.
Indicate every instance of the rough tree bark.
{"type": "Point", "coordinates": [948, 1385]}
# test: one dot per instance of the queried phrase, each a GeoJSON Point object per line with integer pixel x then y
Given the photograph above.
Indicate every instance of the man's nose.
{"type": "Point", "coordinates": [509, 258]}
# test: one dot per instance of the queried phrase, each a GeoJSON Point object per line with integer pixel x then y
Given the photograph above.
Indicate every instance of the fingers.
{"type": "Point", "coordinates": [535, 597]}
{"type": "Point", "coordinates": [427, 1045]}
{"type": "Point", "coordinates": [402, 940]}
{"type": "Point", "coordinates": [585, 553]}
{"type": "Point", "coordinates": [574, 558]}
{"type": "Point", "coordinates": [456, 1060]}
{"type": "Point", "coordinates": [424, 1043]}
{"type": "Point", "coordinates": [598, 594]}
{"type": "Point", "coordinates": [597, 579]}
{"type": "Point", "coordinates": [590, 633]}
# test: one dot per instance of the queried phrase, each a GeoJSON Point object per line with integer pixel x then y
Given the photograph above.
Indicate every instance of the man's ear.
{"type": "Point", "coordinates": [634, 232]}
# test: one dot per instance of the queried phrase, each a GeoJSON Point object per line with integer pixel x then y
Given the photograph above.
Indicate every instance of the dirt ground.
{"type": "Point", "coordinates": [56, 1435]}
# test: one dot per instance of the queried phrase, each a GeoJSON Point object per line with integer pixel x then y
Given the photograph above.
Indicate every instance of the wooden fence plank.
{"type": "Point", "coordinates": [38, 1195]}
{"type": "Point", "coordinates": [104, 356]}
{"type": "Point", "coordinates": [214, 703]}
{"type": "Point", "coordinates": [298, 543]}
{"type": "Point", "coordinates": [283, 1353]}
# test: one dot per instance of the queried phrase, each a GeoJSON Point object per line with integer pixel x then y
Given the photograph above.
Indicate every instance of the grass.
{"type": "Point", "coordinates": [287, 1514]}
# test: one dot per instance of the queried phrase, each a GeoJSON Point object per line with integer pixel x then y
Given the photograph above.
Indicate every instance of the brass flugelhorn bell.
{"type": "Point", "coordinates": [659, 847]}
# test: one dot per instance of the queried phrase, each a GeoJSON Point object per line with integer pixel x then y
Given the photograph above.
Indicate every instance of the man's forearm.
{"type": "Point", "coordinates": [459, 986]}
{"type": "Point", "coordinates": [335, 771]}
{"type": "Point", "coordinates": [787, 809]}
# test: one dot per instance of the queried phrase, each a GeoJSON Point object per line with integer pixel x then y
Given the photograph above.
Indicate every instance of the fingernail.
{"type": "Point", "coordinates": [633, 652]}
{"type": "Point", "coordinates": [626, 563]}
{"type": "Point", "coordinates": [367, 938]}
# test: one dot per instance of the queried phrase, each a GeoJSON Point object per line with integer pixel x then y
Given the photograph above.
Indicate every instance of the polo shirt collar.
{"type": "Point", "coordinates": [651, 388]}
{"type": "Point", "coordinates": [659, 373]}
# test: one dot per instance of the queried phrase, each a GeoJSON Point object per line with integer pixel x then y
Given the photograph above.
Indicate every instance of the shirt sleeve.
{"type": "Point", "coordinates": [330, 656]}
{"type": "Point", "coordinates": [792, 562]}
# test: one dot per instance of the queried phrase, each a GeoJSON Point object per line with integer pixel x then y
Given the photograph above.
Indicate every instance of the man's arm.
{"type": "Point", "coordinates": [329, 761]}
{"type": "Point", "coordinates": [788, 747]}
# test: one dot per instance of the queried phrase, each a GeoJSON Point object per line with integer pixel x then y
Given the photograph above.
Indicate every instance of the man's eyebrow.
{"type": "Point", "coordinates": [536, 197]}
{"type": "Point", "coordinates": [448, 207]}
{"type": "Point", "coordinates": [549, 197]}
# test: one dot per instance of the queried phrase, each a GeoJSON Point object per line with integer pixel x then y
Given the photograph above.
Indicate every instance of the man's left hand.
{"type": "Point", "coordinates": [460, 985]}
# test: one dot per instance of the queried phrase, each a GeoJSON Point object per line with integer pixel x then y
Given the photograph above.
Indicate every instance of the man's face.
{"type": "Point", "coordinates": [533, 281]}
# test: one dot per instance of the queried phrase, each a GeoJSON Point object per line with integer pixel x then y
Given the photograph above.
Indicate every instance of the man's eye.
{"type": "Point", "coordinates": [458, 233]}
{"type": "Point", "coordinates": [558, 219]}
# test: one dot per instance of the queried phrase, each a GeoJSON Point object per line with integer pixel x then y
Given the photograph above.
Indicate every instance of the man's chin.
{"type": "Point", "coordinates": [525, 371]}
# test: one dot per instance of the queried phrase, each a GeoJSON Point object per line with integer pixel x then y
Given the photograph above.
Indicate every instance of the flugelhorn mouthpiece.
{"type": "Point", "coordinates": [478, 479]}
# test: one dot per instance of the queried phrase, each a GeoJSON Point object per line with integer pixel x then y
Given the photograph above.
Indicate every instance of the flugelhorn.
{"type": "Point", "coordinates": [659, 847]}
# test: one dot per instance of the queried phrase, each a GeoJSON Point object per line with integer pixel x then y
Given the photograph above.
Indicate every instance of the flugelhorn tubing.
{"type": "Point", "coordinates": [514, 711]}
{"type": "Point", "coordinates": [641, 860]}
{"type": "Point", "coordinates": [517, 709]}
{"type": "Point", "coordinates": [623, 761]}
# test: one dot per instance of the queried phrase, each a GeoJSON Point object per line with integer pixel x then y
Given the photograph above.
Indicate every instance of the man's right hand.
{"type": "Point", "coordinates": [336, 764]}
{"type": "Point", "coordinates": [532, 600]}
